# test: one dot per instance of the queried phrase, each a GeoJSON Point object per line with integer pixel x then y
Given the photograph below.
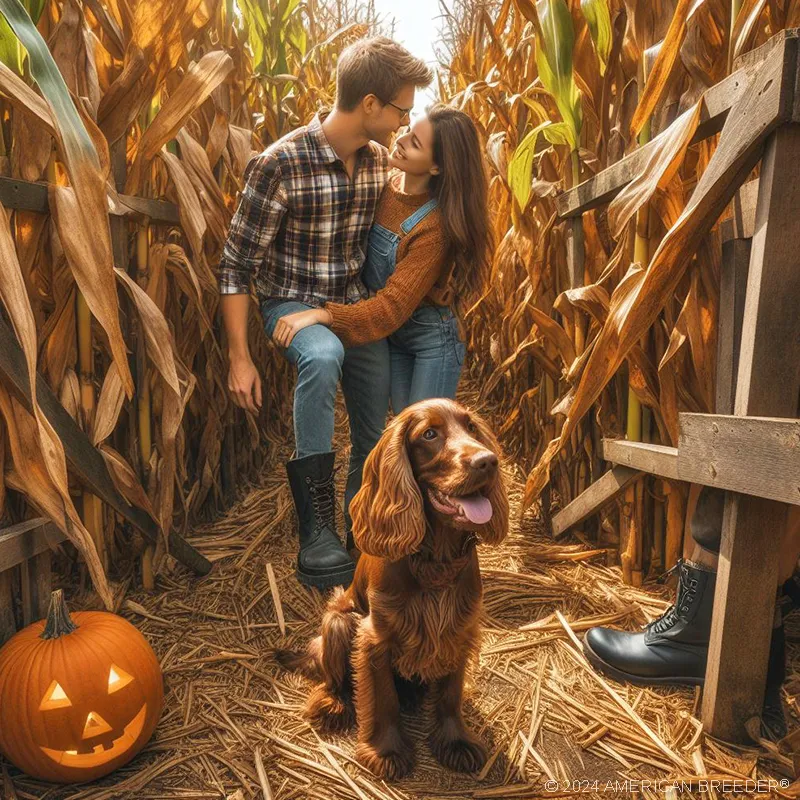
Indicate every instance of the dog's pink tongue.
{"type": "Point", "coordinates": [476, 508]}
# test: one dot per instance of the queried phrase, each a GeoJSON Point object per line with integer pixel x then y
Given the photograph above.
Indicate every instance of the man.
{"type": "Point", "coordinates": [300, 235]}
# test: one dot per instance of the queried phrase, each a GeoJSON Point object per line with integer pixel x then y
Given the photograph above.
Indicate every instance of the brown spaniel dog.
{"type": "Point", "coordinates": [410, 621]}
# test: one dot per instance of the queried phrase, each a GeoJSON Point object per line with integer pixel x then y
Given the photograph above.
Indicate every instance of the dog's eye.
{"type": "Point", "coordinates": [471, 427]}
{"type": "Point", "coordinates": [430, 434]}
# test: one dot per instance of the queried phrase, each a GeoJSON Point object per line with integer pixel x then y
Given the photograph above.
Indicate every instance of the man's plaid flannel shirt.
{"type": "Point", "coordinates": [300, 231]}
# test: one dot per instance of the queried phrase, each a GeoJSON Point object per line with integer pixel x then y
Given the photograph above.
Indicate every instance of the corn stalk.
{"type": "Point", "coordinates": [524, 328]}
{"type": "Point", "coordinates": [193, 68]}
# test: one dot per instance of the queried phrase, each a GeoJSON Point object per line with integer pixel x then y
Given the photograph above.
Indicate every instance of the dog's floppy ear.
{"type": "Point", "coordinates": [497, 528]}
{"type": "Point", "coordinates": [387, 513]}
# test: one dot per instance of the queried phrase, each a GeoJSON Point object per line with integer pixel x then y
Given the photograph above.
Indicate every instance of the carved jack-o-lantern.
{"type": "Point", "coordinates": [79, 696]}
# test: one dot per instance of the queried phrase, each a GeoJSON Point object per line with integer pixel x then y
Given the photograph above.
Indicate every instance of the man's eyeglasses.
{"type": "Point", "coordinates": [404, 112]}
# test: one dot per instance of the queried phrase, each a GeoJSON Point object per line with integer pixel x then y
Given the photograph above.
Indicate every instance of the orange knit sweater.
{"type": "Point", "coordinates": [422, 273]}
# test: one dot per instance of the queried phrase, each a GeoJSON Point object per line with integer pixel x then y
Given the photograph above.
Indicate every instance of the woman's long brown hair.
{"type": "Point", "coordinates": [461, 189]}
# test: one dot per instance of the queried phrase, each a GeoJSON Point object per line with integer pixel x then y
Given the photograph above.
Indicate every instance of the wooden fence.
{"type": "Point", "coordinates": [751, 446]}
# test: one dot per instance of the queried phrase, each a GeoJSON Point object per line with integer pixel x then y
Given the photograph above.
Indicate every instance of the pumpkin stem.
{"type": "Point", "coordinates": [59, 622]}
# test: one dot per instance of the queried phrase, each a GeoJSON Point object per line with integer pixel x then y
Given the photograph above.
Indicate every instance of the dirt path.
{"type": "Point", "coordinates": [227, 700]}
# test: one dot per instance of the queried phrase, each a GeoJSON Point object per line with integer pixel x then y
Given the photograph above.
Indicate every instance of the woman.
{"type": "Point", "coordinates": [429, 243]}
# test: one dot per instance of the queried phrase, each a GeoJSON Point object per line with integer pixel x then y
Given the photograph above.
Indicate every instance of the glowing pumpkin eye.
{"type": "Point", "coordinates": [117, 679]}
{"type": "Point", "coordinates": [54, 697]}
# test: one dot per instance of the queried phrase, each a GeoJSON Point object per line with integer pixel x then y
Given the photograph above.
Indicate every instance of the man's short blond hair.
{"type": "Point", "coordinates": [377, 66]}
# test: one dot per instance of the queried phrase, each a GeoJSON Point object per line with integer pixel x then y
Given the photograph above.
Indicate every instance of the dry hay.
{"type": "Point", "coordinates": [232, 726]}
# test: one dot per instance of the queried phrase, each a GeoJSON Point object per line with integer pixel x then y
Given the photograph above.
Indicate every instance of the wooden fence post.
{"type": "Point", "coordinates": [767, 385]}
{"type": "Point", "coordinates": [7, 625]}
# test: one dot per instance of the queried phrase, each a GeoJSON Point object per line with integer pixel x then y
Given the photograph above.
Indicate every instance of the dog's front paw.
{"type": "Point", "coordinates": [329, 713]}
{"type": "Point", "coordinates": [390, 761]}
{"type": "Point", "coordinates": [462, 752]}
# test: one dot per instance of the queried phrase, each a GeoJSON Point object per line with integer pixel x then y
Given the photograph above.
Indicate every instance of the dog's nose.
{"type": "Point", "coordinates": [485, 461]}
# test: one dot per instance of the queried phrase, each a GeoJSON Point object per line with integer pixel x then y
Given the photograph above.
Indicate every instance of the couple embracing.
{"type": "Point", "coordinates": [355, 254]}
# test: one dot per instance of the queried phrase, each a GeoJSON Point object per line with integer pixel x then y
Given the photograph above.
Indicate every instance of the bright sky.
{"type": "Point", "coordinates": [416, 26]}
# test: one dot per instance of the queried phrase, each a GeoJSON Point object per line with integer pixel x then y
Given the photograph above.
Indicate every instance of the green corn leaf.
{"type": "Point", "coordinates": [520, 166]}
{"type": "Point", "coordinates": [256, 27]}
{"type": "Point", "coordinates": [555, 39]}
{"type": "Point", "coordinates": [537, 109]}
{"type": "Point", "coordinates": [598, 18]}
{"type": "Point", "coordinates": [77, 143]}
{"type": "Point", "coordinates": [289, 8]}
{"type": "Point", "coordinates": [558, 133]}
{"type": "Point", "coordinates": [298, 38]}
{"type": "Point", "coordinates": [12, 53]}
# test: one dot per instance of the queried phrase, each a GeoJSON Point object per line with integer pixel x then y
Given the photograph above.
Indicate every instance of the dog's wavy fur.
{"type": "Point", "coordinates": [410, 621]}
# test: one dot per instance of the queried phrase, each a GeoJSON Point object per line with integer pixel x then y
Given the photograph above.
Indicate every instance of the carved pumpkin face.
{"type": "Point", "coordinates": [79, 705]}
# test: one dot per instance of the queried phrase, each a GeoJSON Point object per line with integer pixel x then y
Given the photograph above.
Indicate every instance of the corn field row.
{"type": "Point", "coordinates": [161, 100]}
{"type": "Point", "coordinates": [169, 100]}
{"type": "Point", "coordinates": [562, 89]}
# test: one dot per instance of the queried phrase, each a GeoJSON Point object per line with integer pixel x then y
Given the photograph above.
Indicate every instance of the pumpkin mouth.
{"type": "Point", "coordinates": [100, 756]}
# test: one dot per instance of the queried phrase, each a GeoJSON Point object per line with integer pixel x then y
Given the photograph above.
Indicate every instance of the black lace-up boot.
{"type": "Point", "coordinates": [672, 648]}
{"type": "Point", "coordinates": [322, 561]}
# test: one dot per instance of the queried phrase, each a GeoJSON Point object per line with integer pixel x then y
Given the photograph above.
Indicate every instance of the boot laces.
{"type": "Point", "coordinates": [323, 498]}
{"type": "Point", "coordinates": [687, 590]}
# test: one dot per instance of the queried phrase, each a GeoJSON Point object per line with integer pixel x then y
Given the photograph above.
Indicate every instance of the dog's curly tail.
{"type": "Point", "coordinates": [327, 657]}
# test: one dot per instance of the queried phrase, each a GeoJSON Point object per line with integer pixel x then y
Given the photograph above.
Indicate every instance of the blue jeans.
{"type": "Point", "coordinates": [426, 355]}
{"type": "Point", "coordinates": [322, 362]}
{"type": "Point", "coordinates": [426, 352]}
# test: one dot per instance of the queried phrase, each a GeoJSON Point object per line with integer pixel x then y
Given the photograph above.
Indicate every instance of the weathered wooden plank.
{"type": "Point", "coordinates": [36, 582]}
{"type": "Point", "coordinates": [743, 221]}
{"type": "Point", "coordinates": [27, 540]}
{"type": "Point", "coordinates": [770, 311]}
{"type": "Point", "coordinates": [744, 603]}
{"type": "Point", "coordinates": [8, 625]}
{"type": "Point", "coordinates": [656, 459]}
{"type": "Point", "coordinates": [593, 498]}
{"type": "Point", "coordinates": [732, 292]}
{"type": "Point", "coordinates": [86, 462]}
{"type": "Point", "coordinates": [758, 456]}
{"type": "Point", "coordinates": [768, 384]}
{"type": "Point", "coordinates": [155, 210]}
{"type": "Point", "coordinates": [30, 196]}
{"type": "Point", "coordinates": [576, 253]}
{"type": "Point", "coordinates": [717, 102]}
{"type": "Point", "coordinates": [754, 455]}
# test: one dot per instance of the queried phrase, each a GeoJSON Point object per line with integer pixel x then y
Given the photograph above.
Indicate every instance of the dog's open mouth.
{"type": "Point", "coordinates": [474, 508]}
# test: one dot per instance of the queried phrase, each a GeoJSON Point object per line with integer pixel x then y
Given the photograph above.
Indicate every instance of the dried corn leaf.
{"type": "Point", "coordinates": [73, 51]}
{"type": "Point", "coordinates": [191, 212]}
{"type": "Point", "coordinates": [749, 14]}
{"type": "Point", "coordinates": [37, 451]}
{"type": "Point", "coordinates": [640, 297]}
{"type": "Point", "coordinates": [90, 227]}
{"type": "Point", "coordinates": [125, 479]}
{"type": "Point", "coordinates": [109, 406]}
{"type": "Point", "coordinates": [201, 79]}
{"type": "Point", "coordinates": [665, 60]}
{"type": "Point", "coordinates": [667, 151]}
{"type": "Point", "coordinates": [31, 475]}
{"type": "Point", "coordinates": [158, 337]}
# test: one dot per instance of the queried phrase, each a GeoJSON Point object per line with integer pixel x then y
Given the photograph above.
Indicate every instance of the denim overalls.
{"type": "Point", "coordinates": [426, 352]}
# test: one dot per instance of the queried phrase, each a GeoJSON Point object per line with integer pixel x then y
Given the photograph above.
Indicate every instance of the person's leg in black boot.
{"type": "Point", "coordinates": [674, 648]}
{"type": "Point", "coordinates": [318, 354]}
{"type": "Point", "coordinates": [321, 561]}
